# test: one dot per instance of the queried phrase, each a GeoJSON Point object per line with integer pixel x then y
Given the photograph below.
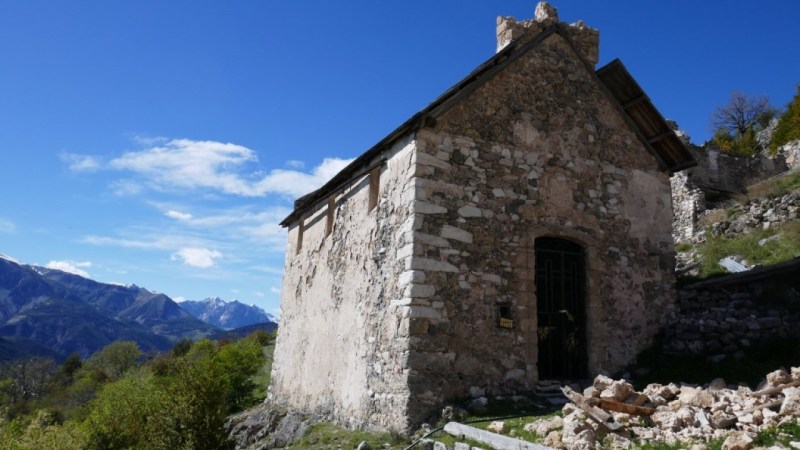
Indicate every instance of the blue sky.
{"type": "Point", "coordinates": [160, 143]}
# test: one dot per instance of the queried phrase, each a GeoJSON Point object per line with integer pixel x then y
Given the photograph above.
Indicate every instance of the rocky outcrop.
{"type": "Point", "coordinates": [791, 153]}
{"type": "Point", "coordinates": [759, 214]}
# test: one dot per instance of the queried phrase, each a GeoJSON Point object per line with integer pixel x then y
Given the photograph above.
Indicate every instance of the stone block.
{"type": "Point", "coordinates": [450, 232]}
{"type": "Point", "coordinates": [411, 276]}
{"type": "Point", "coordinates": [427, 208]}
{"type": "Point", "coordinates": [420, 290]}
{"type": "Point", "coordinates": [469, 211]}
{"type": "Point", "coordinates": [417, 263]}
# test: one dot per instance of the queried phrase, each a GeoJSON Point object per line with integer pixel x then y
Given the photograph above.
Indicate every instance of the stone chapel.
{"type": "Point", "coordinates": [516, 229]}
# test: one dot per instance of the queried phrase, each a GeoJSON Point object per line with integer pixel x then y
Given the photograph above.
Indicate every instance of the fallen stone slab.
{"type": "Point", "coordinates": [493, 440]}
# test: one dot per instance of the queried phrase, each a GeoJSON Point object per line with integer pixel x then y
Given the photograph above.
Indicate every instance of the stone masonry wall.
{"type": "Point", "coordinates": [539, 150]}
{"type": "Point", "coordinates": [342, 345]}
{"type": "Point", "coordinates": [722, 317]}
{"type": "Point", "coordinates": [732, 173]}
{"type": "Point", "coordinates": [715, 172]}
{"type": "Point", "coordinates": [688, 202]}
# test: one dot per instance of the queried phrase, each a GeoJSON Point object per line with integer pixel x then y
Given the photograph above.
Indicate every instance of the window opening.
{"type": "Point", "coordinates": [504, 317]}
{"type": "Point", "coordinates": [331, 210]}
{"type": "Point", "coordinates": [374, 186]}
{"type": "Point", "coordinates": [300, 227]}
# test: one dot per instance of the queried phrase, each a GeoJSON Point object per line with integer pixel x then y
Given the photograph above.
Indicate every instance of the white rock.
{"type": "Point", "coordinates": [696, 397]}
{"type": "Point", "coordinates": [544, 427]}
{"type": "Point", "coordinates": [778, 378]}
{"type": "Point", "coordinates": [498, 426]}
{"type": "Point", "coordinates": [791, 402]}
{"type": "Point", "coordinates": [738, 440]}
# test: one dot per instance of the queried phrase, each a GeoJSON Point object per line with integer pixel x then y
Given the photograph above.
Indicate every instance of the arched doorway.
{"type": "Point", "coordinates": [561, 309]}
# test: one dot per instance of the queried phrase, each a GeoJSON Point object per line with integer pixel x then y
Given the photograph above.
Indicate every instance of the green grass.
{"type": "Point", "coordinates": [759, 359]}
{"type": "Point", "coordinates": [328, 436]}
{"type": "Point", "coordinates": [518, 425]}
{"type": "Point", "coordinates": [775, 187]}
{"type": "Point", "coordinates": [683, 247]}
{"type": "Point", "coordinates": [786, 247]}
{"type": "Point", "coordinates": [781, 435]}
{"type": "Point", "coordinates": [715, 444]}
{"type": "Point", "coordinates": [262, 377]}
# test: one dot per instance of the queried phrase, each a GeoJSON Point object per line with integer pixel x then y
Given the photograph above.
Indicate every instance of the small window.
{"type": "Point", "coordinates": [504, 318]}
{"type": "Point", "coordinates": [331, 211]}
{"type": "Point", "coordinates": [300, 226]}
{"type": "Point", "coordinates": [374, 186]}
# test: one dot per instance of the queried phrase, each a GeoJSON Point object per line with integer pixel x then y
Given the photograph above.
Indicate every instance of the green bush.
{"type": "Point", "coordinates": [788, 128]}
{"type": "Point", "coordinates": [744, 144]}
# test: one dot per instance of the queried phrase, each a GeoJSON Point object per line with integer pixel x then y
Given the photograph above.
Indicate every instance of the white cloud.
{"type": "Point", "coordinates": [125, 188]}
{"type": "Point", "coordinates": [7, 226]}
{"type": "Point", "coordinates": [177, 215]}
{"type": "Point", "coordinates": [157, 243]}
{"type": "Point", "coordinates": [189, 164]}
{"type": "Point", "coordinates": [258, 294]}
{"type": "Point", "coordinates": [70, 266]}
{"type": "Point", "coordinates": [197, 257]}
{"type": "Point", "coordinates": [295, 183]}
{"type": "Point", "coordinates": [80, 163]}
{"type": "Point", "coordinates": [275, 290]}
{"type": "Point", "coordinates": [295, 164]}
{"type": "Point", "coordinates": [179, 299]}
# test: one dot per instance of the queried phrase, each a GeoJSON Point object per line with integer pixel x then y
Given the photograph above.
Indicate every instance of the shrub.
{"type": "Point", "coordinates": [788, 128]}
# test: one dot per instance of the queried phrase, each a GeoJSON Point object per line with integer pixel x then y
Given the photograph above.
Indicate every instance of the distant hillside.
{"type": "Point", "coordinates": [67, 313]}
{"type": "Point", "coordinates": [227, 315]}
{"type": "Point", "coordinates": [241, 332]}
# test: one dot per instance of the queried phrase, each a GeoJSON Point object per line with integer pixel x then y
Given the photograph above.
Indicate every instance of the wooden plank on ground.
{"type": "Point", "coordinates": [776, 389]}
{"type": "Point", "coordinates": [493, 440]}
{"type": "Point", "coordinates": [610, 405]}
{"type": "Point", "coordinates": [770, 405]}
{"type": "Point", "coordinates": [595, 413]}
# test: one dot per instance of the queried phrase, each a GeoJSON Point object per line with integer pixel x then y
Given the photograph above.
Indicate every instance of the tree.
{"type": "Point", "coordinates": [741, 114]}
{"type": "Point", "coordinates": [131, 413]}
{"type": "Point", "coordinates": [27, 379]}
{"type": "Point", "coordinates": [115, 358]}
{"type": "Point", "coordinates": [736, 123]}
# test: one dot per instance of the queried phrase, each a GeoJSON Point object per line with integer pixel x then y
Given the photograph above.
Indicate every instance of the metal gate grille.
{"type": "Point", "coordinates": [561, 309]}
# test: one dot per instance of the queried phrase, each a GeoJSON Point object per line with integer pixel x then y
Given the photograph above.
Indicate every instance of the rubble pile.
{"type": "Point", "coordinates": [610, 413]}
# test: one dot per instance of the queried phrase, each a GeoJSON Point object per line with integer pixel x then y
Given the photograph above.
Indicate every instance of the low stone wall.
{"type": "Point", "coordinates": [721, 317]}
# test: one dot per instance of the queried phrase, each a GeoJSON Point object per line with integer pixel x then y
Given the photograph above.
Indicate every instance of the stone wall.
{"type": "Point", "coordinates": [732, 173]}
{"type": "Point", "coordinates": [539, 150]}
{"type": "Point", "coordinates": [716, 177]}
{"type": "Point", "coordinates": [721, 317]}
{"type": "Point", "coordinates": [342, 345]}
{"type": "Point", "coordinates": [688, 202]}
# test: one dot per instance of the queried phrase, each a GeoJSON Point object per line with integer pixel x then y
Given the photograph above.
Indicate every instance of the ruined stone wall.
{"type": "Point", "coordinates": [539, 150]}
{"type": "Point", "coordinates": [688, 201]}
{"type": "Point", "coordinates": [732, 173]}
{"type": "Point", "coordinates": [693, 190]}
{"type": "Point", "coordinates": [341, 349]}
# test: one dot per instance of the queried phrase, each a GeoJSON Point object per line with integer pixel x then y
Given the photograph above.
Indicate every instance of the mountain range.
{"type": "Point", "coordinates": [227, 315]}
{"type": "Point", "coordinates": [47, 312]}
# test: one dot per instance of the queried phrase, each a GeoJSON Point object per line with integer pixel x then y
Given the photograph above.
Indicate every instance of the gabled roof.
{"type": "Point", "coordinates": [620, 82]}
{"type": "Point", "coordinates": [672, 153]}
